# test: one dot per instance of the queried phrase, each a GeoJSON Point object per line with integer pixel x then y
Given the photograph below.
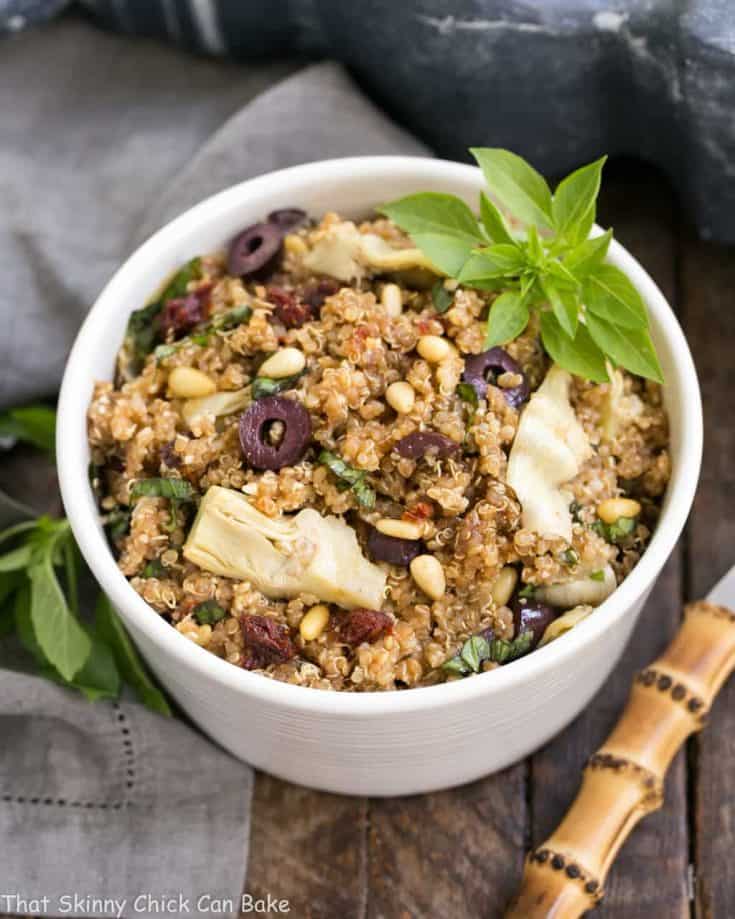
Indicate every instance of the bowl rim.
{"type": "Point", "coordinates": [72, 463]}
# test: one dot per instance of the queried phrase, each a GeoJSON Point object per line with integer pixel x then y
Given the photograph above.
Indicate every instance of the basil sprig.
{"type": "Point", "coordinates": [349, 477]}
{"type": "Point", "coordinates": [590, 311]}
{"type": "Point", "coordinates": [39, 572]}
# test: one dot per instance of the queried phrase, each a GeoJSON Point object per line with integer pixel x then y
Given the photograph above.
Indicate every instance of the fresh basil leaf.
{"type": "Point", "coordinates": [467, 393]}
{"type": "Point", "coordinates": [516, 185]}
{"type": "Point", "coordinates": [585, 257]}
{"type": "Point", "coordinates": [265, 386]}
{"type": "Point", "coordinates": [24, 626]}
{"type": "Point", "coordinates": [447, 253]}
{"type": "Point", "coordinates": [208, 612]}
{"type": "Point", "coordinates": [441, 297]}
{"type": "Point", "coordinates": [65, 644]}
{"type": "Point", "coordinates": [610, 294]}
{"type": "Point", "coordinates": [502, 259]}
{"type": "Point", "coordinates": [17, 559]}
{"type": "Point", "coordinates": [507, 319]}
{"type": "Point", "coordinates": [99, 678]}
{"type": "Point", "coordinates": [565, 305]}
{"type": "Point", "coordinates": [580, 356]}
{"type": "Point", "coordinates": [178, 489]}
{"type": "Point", "coordinates": [434, 214]}
{"type": "Point", "coordinates": [630, 348]}
{"type": "Point", "coordinates": [575, 197]}
{"type": "Point", "coordinates": [34, 424]}
{"type": "Point", "coordinates": [493, 222]}
{"type": "Point", "coordinates": [535, 255]}
{"type": "Point", "coordinates": [131, 667]}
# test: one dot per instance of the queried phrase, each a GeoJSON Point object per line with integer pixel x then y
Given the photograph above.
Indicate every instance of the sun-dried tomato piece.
{"type": "Point", "coordinates": [181, 314]}
{"type": "Point", "coordinates": [361, 625]}
{"type": "Point", "coordinates": [267, 642]}
{"type": "Point", "coordinates": [421, 510]}
{"type": "Point", "coordinates": [290, 309]}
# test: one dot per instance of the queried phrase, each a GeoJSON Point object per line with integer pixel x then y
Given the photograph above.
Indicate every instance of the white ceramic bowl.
{"type": "Point", "coordinates": [370, 743]}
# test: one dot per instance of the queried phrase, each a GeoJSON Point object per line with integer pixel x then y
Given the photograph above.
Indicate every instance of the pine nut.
{"type": "Point", "coordinates": [400, 396]}
{"type": "Point", "coordinates": [614, 508]}
{"type": "Point", "coordinates": [314, 622]}
{"type": "Point", "coordinates": [284, 363]}
{"type": "Point", "coordinates": [401, 529]}
{"type": "Point", "coordinates": [392, 300]}
{"type": "Point", "coordinates": [433, 348]}
{"type": "Point", "coordinates": [428, 574]}
{"type": "Point", "coordinates": [294, 244]}
{"type": "Point", "coordinates": [190, 383]}
{"type": "Point", "coordinates": [504, 585]}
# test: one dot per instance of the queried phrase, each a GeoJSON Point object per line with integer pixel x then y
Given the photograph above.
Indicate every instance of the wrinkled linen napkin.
{"type": "Point", "coordinates": [106, 805]}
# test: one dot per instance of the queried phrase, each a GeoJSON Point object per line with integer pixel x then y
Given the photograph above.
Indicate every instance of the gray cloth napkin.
{"type": "Point", "coordinates": [108, 140]}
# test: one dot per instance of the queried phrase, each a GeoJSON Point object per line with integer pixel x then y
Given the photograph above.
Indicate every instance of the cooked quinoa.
{"type": "Point", "coordinates": [464, 561]}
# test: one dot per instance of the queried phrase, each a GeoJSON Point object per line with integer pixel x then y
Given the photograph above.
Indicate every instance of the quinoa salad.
{"type": "Point", "coordinates": [311, 465]}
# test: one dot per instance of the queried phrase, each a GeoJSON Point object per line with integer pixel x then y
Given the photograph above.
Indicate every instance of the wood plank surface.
{"type": "Point", "coordinates": [708, 286]}
{"type": "Point", "coordinates": [650, 875]}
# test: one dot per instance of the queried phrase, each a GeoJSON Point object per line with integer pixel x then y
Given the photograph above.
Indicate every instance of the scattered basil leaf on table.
{"type": "Point", "coordinates": [33, 424]}
{"type": "Point", "coordinates": [591, 313]}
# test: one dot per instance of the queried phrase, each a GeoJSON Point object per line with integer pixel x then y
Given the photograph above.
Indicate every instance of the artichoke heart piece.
{"type": "Point", "coordinates": [306, 553]}
{"type": "Point", "coordinates": [585, 591]}
{"type": "Point", "coordinates": [346, 254]}
{"type": "Point", "coordinates": [549, 449]}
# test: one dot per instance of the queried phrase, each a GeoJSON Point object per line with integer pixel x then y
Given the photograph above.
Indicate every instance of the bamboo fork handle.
{"type": "Point", "coordinates": [623, 781]}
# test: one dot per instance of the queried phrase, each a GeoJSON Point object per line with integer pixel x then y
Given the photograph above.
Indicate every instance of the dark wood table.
{"type": "Point", "coordinates": [459, 853]}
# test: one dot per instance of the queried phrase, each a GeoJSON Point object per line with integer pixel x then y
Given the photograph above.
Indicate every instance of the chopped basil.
{"type": "Point", "coordinates": [265, 386]}
{"type": "Point", "coordinates": [477, 649]}
{"type": "Point", "coordinates": [208, 613]}
{"type": "Point", "coordinates": [474, 651]}
{"type": "Point", "coordinates": [221, 322]}
{"type": "Point", "coordinates": [441, 297]}
{"type": "Point", "coordinates": [177, 489]}
{"type": "Point", "coordinates": [117, 524]}
{"type": "Point", "coordinates": [570, 557]}
{"type": "Point", "coordinates": [467, 393]}
{"type": "Point", "coordinates": [502, 652]}
{"type": "Point", "coordinates": [616, 532]}
{"type": "Point", "coordinates": [154, 569]}
{"type": "Point", "coordinates": [178, 284]}
{"type": "Point", "coordinates": [528, 592]}
{"type": "Point", "coordinates": [141, 333]}
{"type": "Point", "coordinates": [597, 576]}
{"type": "Point", "coordinates": [354, 479]}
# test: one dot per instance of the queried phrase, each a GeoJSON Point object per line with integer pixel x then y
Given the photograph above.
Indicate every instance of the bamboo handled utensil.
{"type": "Point", "coordinates": [623, 781]}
